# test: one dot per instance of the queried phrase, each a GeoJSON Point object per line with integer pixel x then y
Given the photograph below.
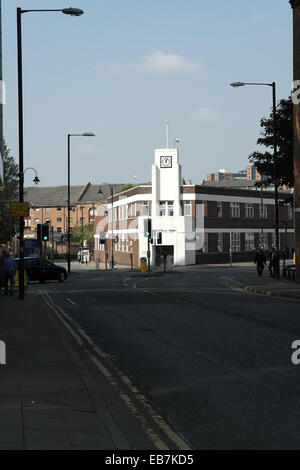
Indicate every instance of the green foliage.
{"type": "Point", "coordinates": [125, 187]}
{"type": "Point", "coordinates": [264, 162]}
{"type": "Point", "coordinates": [86, 233]}
{"type": "Point", "coordinates": [8, 194]}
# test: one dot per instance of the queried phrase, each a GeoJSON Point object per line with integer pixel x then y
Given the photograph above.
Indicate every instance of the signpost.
{"type": "Point", "coordinates": [19, 209]}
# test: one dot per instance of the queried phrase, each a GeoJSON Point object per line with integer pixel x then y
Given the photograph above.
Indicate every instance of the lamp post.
{"type": "Point", "coordinates": [112, 221]}
{"type": "Point", "coordinates": [82, 209]}
{"type": "Point", "coordinates": [36, 179]}
{"type": "Point", "coordinates": [275, 174]}
{"type": "Point", "coordinates": [86, 134]}
{"type": "Point", "coordinates": [67, 11]}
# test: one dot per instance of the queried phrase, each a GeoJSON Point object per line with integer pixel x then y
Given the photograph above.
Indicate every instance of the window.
{"type": "Point", "coordinates": [27, 222]}
{"type": "Point", "coordinates": [145, 208]}
{"type": "Point", "coordinates": [220, 210]}
{"type": "Point", "coordinates": [58, 229]}
{"type": "Point", "coordinates": [170, 208]}
{"type": "Point", "coordinates": [47, 209]}
{"type": "Point", "coordinates": [249, 242]}
{"type": "Point", "coordinates": [234, 209]}
{"type": "Point", "coordinates": [81, 219]}
{"type": "Point", "coordinates": [249, 211]}
{"type": "Point", "coordinates": [48, 221]}
{"type": "Point", "coordinates": [92, 212]}
{"type": "Point", "coordinates": [263, 211]}
{"type": "Point", "coordinates": [187, 208]}
{"type": "Point", "coordinates": [162, 208]}
{"type": "Point", "coordinates": [220, 242]}
{"type": "Point", "coordinates": [236, 242]}
{"type": "Point", "coordinates": [37, 221]}
{"type": "Point", "coordinates": [58, 219]}
{"type": "Point", "coordinates": [59, 209]}
{"type": "Point", "coordinates": [290, 212]}
{"type": "Point", "coordinates": [166, 208]}
{"type": "Point", "coordinates": [263, 241]}
{"type": "Point", "coordinates": [273, 240]}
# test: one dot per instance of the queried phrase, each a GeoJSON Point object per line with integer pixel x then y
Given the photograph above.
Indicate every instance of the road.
{"type": "Point", "coordinates": [210, 365]}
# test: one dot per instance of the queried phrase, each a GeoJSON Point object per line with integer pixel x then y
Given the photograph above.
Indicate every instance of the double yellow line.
{"type": "Point", "coordinates": [114, 377]}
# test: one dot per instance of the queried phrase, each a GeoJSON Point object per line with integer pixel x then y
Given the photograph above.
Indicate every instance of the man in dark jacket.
{"type": "Point", "coordinates": [260, 261]}
{"type": "Point", "coordinates": [9, 271]}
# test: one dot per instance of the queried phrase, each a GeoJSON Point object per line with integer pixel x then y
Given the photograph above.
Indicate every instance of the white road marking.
{"type": "Point", "coordinates": [71, 301]}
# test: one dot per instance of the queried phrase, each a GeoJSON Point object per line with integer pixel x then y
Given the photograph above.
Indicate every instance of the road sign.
{"type": "Point", "coordinates": [19, 209]}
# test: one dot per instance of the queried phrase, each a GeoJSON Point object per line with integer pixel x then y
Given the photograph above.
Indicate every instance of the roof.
{"type": "Point", "coordinates": [240, 183]}
{"type": "Point", "coordinates": [52, 196]}
{"type": "Point", "coordinates": [57, 196]}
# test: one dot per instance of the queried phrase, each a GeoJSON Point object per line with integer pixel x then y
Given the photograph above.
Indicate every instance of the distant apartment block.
{"type": "Point", "coordinates": [224, 174]}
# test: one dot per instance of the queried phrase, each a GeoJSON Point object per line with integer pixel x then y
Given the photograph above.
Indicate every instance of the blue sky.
{"type": "Point", "coordinates": [124, 68]}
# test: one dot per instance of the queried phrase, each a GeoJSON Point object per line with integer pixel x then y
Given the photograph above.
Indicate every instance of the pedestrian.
{"type": "Point", "coordinates": [2, 258]}
{"type": "Point", "coordinates": [9, 271]}
{"type": "Point", "coordinates": [260, 261]}
{"type": "Point", "coordinates": [272, 262]}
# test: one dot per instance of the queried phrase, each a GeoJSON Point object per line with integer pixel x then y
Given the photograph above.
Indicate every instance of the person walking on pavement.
{"type": "Point", "coordinates": [9, 271]}
{"type": "Point", "coordinates": [260, 261]}
{"type": "Point", "coordinates": [272, 262]}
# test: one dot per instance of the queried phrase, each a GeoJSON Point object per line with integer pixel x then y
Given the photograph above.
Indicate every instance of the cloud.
{"type": "Point", "coordinates": [166, 62]}
{"type": "Point", "coordinates": [208, 114]}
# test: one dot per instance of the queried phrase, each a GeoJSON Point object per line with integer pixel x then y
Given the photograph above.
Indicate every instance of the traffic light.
{"type": "Point", "coordinates": [43, 232]}
{"type": "Point", "coordinates": [159, 238]}
{"type": "Point", "coordinates": [148, 228]}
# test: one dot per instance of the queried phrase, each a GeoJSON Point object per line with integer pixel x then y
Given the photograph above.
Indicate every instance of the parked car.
{"type": "Point", "coordinates": [38, 269]}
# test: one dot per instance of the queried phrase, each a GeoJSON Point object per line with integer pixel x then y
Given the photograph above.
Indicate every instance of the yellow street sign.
{"type": "Point", "coordinates": [19, 209]}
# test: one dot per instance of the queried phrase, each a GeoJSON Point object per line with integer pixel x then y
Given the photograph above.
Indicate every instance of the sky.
{"type": "Point", "coordinates": [124, 68]}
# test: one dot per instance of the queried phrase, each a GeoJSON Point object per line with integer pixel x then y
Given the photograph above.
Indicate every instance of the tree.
{"type": "Point", "coordinates": [87, 235]}
{"type": "Point", "coordinates": [264, 162]}
{"type": "Point", "coordinates": [8, 194]}
{"type": "Point", "coordinates": [125, 187]}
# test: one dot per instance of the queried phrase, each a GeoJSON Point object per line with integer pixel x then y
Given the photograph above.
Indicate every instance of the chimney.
{"type": "Point", "coordinates": [189, 182]}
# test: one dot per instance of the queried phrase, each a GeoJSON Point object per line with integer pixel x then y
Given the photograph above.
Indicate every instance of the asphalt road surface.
{"type": "Point", "coordinates": [215, 364]}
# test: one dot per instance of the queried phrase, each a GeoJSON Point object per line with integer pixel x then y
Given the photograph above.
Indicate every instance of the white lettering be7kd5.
{"type": "Point", "coordinates": [2, 353]}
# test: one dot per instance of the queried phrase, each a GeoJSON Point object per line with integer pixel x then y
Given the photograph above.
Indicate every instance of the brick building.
{"type": "Point", "coordinates": [49, 205]}
{"type": "Point", "coordinates": [197, 223]}
{"type": "Point", "coordinates": [250, 174]}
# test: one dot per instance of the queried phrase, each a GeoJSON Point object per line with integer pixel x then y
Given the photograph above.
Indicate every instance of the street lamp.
{"type": "Point", "coordinates": [68, 11]}
{"type": "Point", "coordinates": [112, 221]}
{"type": "Point", "coordinates": [275, 175]}
{"type": "Point", "coordinates": [85, 134]}
{"type": "Point", "coordinates": [36, 179]}
{"type": "Point", "coordinates": [176, 141]}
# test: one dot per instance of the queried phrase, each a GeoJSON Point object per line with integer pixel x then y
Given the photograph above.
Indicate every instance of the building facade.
{"type": "Point", "coordinates": [189, 222]}
{"type": "Point", "coordinates": [250, 174]}
{"type": "Point", "coordinates": [49, 205]}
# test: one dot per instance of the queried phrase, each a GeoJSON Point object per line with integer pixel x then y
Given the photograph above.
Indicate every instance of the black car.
{"type": "Point", "coordinates": [38, 269]}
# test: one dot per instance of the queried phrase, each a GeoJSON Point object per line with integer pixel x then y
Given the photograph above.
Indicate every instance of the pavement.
{"type": "Point", "coordinates": [48, 400]}
{"type": "Point", "coordinates": [281, 288]}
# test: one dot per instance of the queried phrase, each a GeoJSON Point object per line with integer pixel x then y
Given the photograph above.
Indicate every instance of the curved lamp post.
{"type": "Point", "coordinates": [36, 179]}
{"type": "Point", "coordinates": [85, 134]}
{"type": "Point", "coordinates": [273, 86]}
{"type": "Point", "coordinates": [67, 11]}
{"type": "Point", "coordinates": [112, 221]}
